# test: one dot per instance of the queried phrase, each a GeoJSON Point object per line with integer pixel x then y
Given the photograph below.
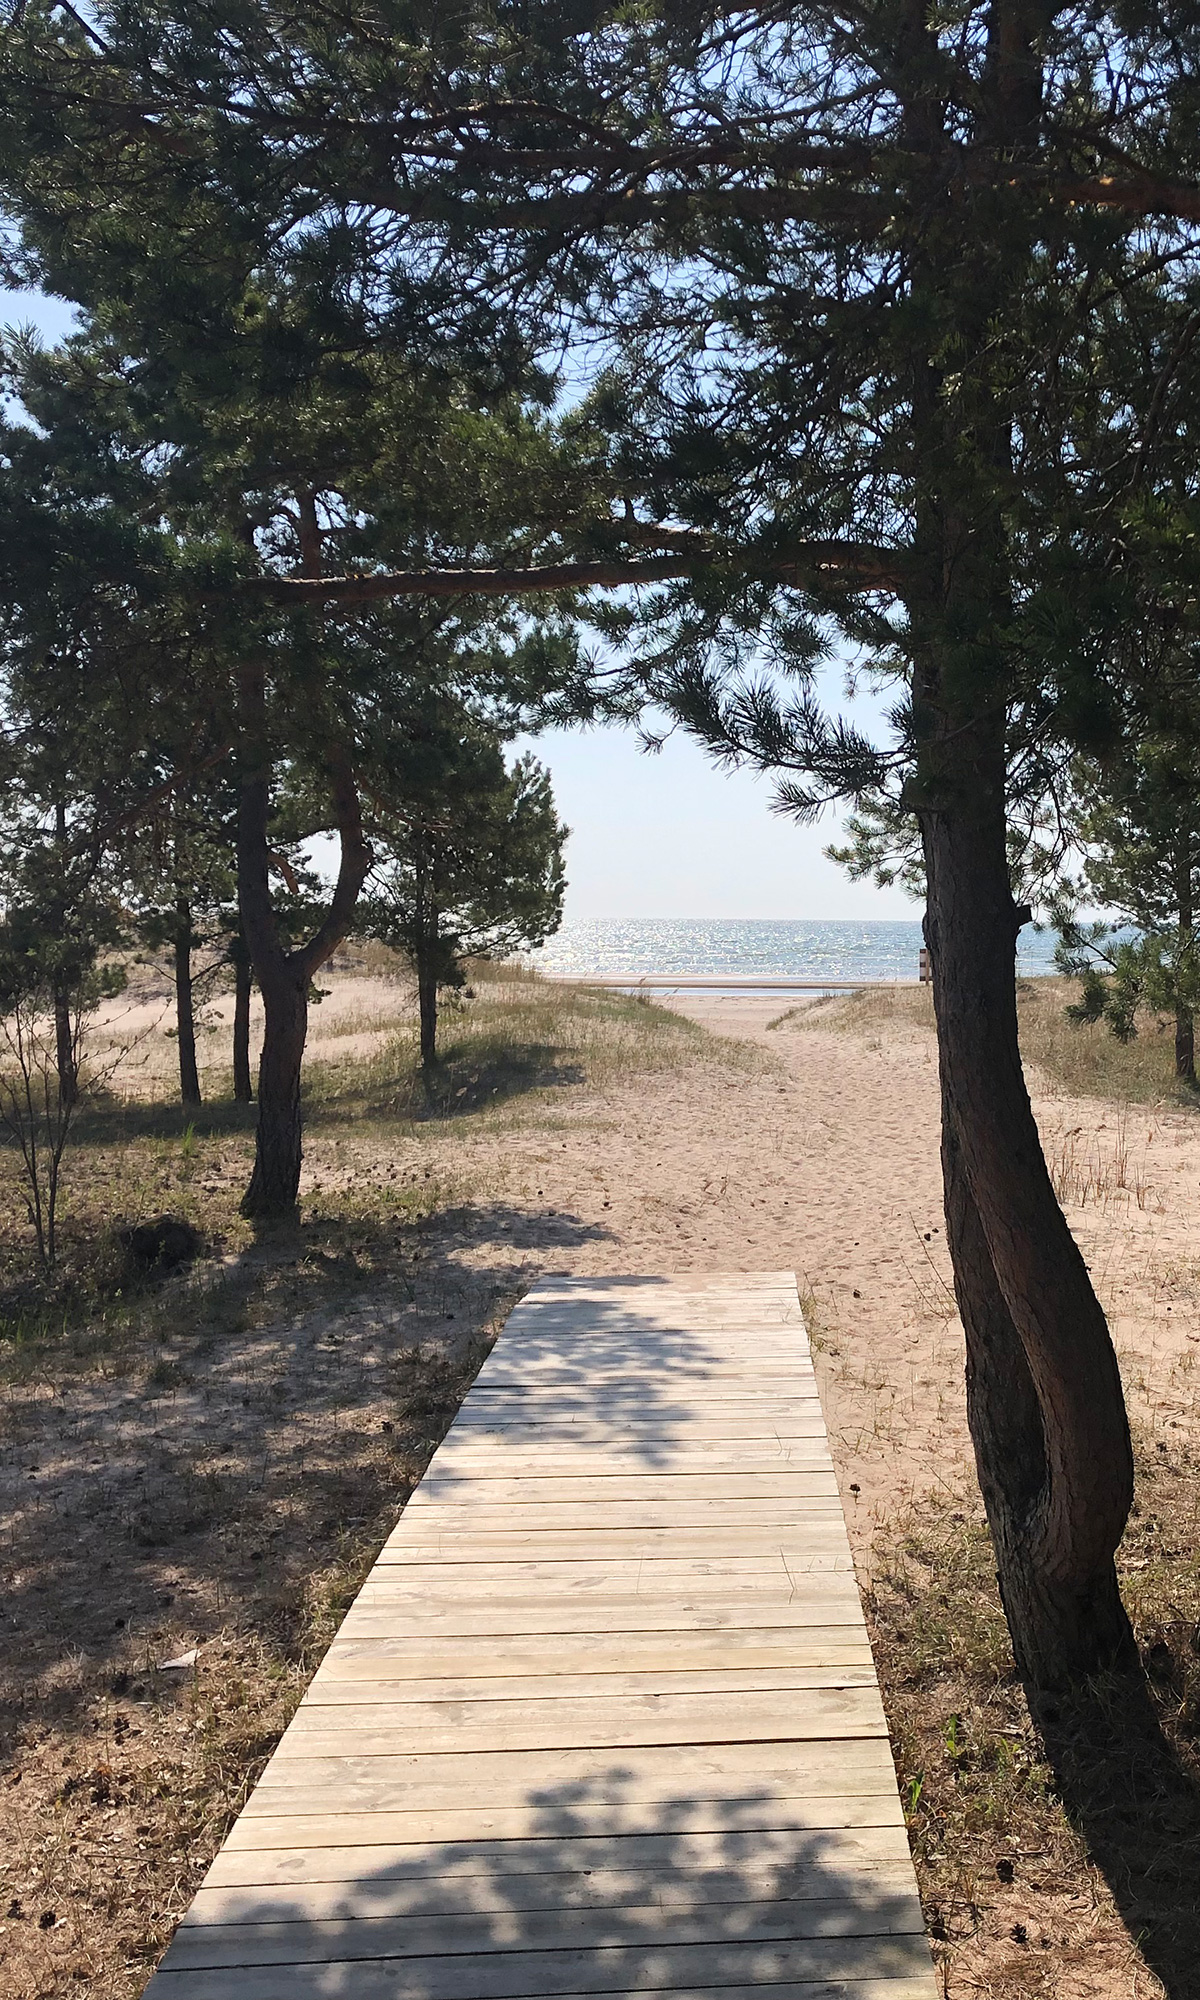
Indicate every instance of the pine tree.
{"type": "Point", "coordinates": [873, 288]}
{"type": "Point", "coordinates": [473, 869]}
{"type": "Point", "coordinates": [1139, 827]}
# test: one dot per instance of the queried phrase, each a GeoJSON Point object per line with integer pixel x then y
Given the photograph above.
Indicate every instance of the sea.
{"type": "Point", "coordinates": [752, 948]}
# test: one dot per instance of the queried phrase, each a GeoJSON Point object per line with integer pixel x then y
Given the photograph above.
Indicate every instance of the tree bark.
{"type": "Point", "coordinates": [185, 1012]}
{"type": "Point", "coordinates": [278, 1154]}
{"type": "Point", "coordinates": [65, 1052]}
{"type": "Point", "coordinates": [1185, 1026]}
{"type": "Point", "coordinates": [1044, 1398]}
{"type": "Point", "coordinates": [284, 976]}
{"type": "Point", "coordinates": [243, 1089]}
{"type": "Point", "coordinates": [428, 1007]}
{"type": "Point", "coordinates": [1185, 1045]}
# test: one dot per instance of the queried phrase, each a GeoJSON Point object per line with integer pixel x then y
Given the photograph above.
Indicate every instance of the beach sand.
{"type": "Point", "coordinates": [823, 1159]}
{"type": "Point", "coordinates": [223, 1489]}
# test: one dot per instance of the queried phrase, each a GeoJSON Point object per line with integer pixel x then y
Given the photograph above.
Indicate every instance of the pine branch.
{"type": "Point", "coordinates": [818, 564]}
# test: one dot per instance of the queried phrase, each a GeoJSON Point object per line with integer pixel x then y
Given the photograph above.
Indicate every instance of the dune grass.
{"type": "Point", "coordinates": [515, 1047]}
{"type": "Point", "coordinates": [512, 1040]}
{"type": "Point", "coordinates": [1084, 1060]}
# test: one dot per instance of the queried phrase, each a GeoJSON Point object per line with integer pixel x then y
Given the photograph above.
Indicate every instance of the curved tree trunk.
{"type": "Point", "coordinates": [1045, 1404]}
{"type": "Point", "coordinates": [275, 1181]}
{"type": "Point", "coordinates": [284, 976]}
{"type": "Point", "coordinates": [185, 1012]}
{"type": "Point", "coordinates": [242, 1087]}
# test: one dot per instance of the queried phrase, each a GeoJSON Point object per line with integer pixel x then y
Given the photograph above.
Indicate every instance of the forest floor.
{"type": "Point", "coordinates": [201, 1470]}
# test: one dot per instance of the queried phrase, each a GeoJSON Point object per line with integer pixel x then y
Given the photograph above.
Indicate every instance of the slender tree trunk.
{"type": "Point", "coordinates": [284, 976]}
{"type": "Point", "coordinates": [243, 978]}
{"type": "Point", "coordinates": [185, 1012]}
{"type": "Point", "coordinates": [1185, 1026]}
{"type": "Point", "coordinates": [1185, 1044]}
{"type": "Point", "coordinates": [275, 1181]}
{"type": "Point", "coordinates": [65, 1051]}
{"type": "Point", "coordinates": [427, 1001]}
{"type": "Point", "coordinates": [1044, 1397]}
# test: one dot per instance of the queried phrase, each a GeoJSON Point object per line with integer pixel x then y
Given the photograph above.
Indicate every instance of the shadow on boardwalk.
{"type": "Point", "coordinates": [610, 1884]}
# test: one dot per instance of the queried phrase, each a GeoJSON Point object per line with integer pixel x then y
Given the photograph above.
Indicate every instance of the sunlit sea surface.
{"type": "Point", "coordinates": [737, 948]}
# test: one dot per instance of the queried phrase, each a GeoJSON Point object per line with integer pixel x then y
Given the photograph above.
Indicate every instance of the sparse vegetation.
{"type": "Point", "coordinates": [1038, 1860]}
{"type": "Point", "coordinates": [212, 1460]}
{"type": "Point", "coordinates": [1081, 1058]}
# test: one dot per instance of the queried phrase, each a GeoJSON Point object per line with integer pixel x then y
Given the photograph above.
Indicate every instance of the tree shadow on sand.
{"type": "Point", "coordinates": [272, 1414]}
{"type": "Point", "coordinates": [1137, 1804]}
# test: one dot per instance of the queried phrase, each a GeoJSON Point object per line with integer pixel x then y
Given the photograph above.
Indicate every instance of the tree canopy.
{"type": "Point", "coordinates": [880, 333]}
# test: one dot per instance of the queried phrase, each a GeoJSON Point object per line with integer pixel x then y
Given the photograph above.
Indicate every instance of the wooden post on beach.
{"type": "Point", "coordinates": [924, 969]}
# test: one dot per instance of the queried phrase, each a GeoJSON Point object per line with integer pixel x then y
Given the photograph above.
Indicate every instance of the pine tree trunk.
{"type": "Point", "coordinates": [275, 1182]}
{"type": "Point", "coordinates": [1185, 1045]}
{"type": "Point", "coordinates": [1185, 1026]}
{"type": "Point", "coordinates": [65, 1053]}
{"type": "Point", "coordinates": [1044, 1398]}
{"type": "Point", "coordinates": [242, 1087]}
{"type": "Point", "coordinates": [427, 1002]}
{"type": "Point", "coordinates": [65, 1049]}
{"type": "Point", "coordinates": [185, 1013]}
{"type": "Point", "coordinates": [284, 976]}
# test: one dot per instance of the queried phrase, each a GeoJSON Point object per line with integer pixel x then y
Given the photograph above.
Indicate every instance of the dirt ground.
{"type": "Point", "coordinates": [206, 1483]}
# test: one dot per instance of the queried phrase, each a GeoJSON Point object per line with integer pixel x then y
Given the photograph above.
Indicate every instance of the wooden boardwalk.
{"type": "Point", "coordinates": [603, 1718]}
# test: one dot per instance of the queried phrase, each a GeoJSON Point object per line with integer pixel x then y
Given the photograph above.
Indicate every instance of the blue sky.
{"type": "Point", "coordinates": [656, 835]}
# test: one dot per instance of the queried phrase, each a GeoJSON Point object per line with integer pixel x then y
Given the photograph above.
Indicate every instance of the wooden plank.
{"type": "Point", "coordinates": [786, 1855]}
{"type": "Point", "coordinates": [606, 1389]}
{"type": "Point", "coordinates": [756, 1817]}
{"type": "Point", "coordinates": [329, 1688]}
{"type": "Point", "coordinates": [602, 1543]}
{"type": "Point", "coordinates": [453, 1492]}
{"type": "Point", "coordinates": [366, 1894]}
{"type": "Point", "coordinates": [709, 1970]}
{"type": "Point", "coordinates": [617, 1576]}
{"type": "Point", "coordinates": [498, 1517]}
{"type": "Point", "coordinates": [874, 1914]}
{"type": "Point", "coordinates": [631, 1419]}
{"type": "Point", "coordinates": [603, 1718]}
{"type": "Point", "coordinates": [492, 1459]}
{"type": "Point", "coordinates": [570, 1780]}
{"type": "Point", "coordinates": [608, 1722]}
{"type": "Point", "coordinates": [777, 1650]}
{"type": "Point", "coordinates": [823, 1604]}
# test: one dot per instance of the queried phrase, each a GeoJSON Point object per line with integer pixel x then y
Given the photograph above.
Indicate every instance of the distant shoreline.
{"type": "Point", "coordinates": [675, 982]}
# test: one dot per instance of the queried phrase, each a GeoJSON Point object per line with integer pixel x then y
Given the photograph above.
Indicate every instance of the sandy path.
{"type": "Point", "coordinates": [825, 1161]}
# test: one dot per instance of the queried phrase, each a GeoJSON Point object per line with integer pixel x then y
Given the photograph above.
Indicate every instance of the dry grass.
{"type": "Point", "coordinates": [513, 1037]}
{"type": "Point", "coordinates": [212, 1463]}
{"type": "Point", "coordinates": [1038, 1865]}
{"type": "Point", "coordinates": [1080, 1060]}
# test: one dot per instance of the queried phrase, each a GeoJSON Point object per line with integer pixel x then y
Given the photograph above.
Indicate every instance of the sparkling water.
{"type": "Point", "coordinates": [750, 948]}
